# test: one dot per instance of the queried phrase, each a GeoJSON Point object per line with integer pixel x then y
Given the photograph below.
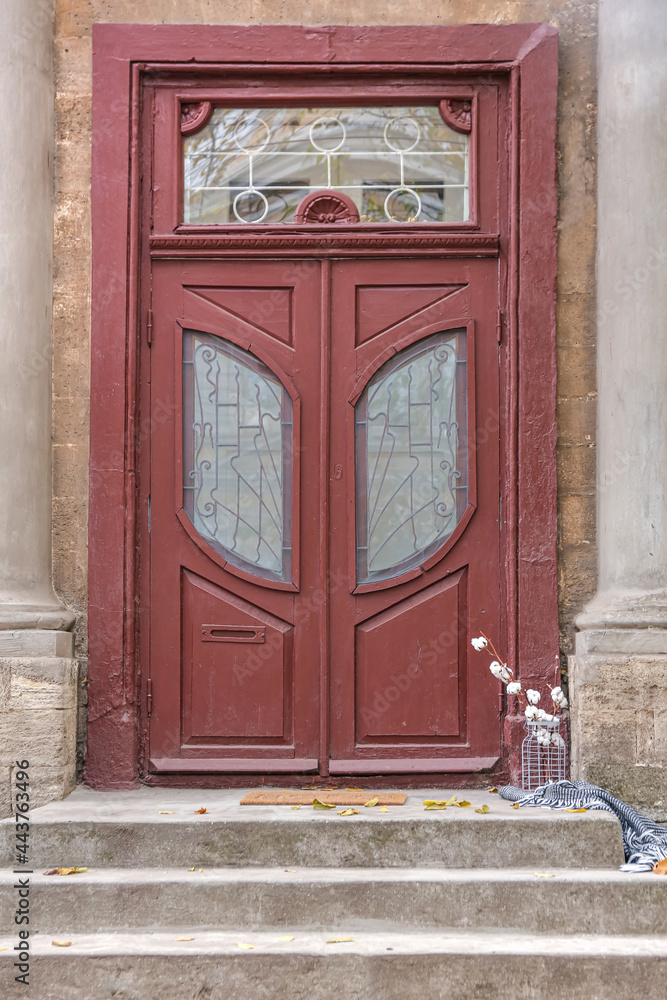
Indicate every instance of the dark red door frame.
{"type": "Point", "coordinates": [125, 57]}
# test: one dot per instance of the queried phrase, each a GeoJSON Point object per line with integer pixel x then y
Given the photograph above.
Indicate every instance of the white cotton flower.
{"type": "Point", "coordinates": [531, 713]}
{"type": "Point", "coordinates": [501, 671]}
{"type": "Point", "coordinates": [480, 643]}
{"type": "Point", "coordinates": [558, 697]}
{"type": "Point", "coordinates": [533, 696]}
{"type": "Point", "coordinates": [544, 716]}
{"type": "Point", "coordinates": [514, 687]}
{"type": "Point", "coordinates": [557, 740]}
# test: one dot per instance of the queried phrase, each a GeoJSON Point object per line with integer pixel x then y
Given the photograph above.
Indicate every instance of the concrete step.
{"type": "Point", "coordinates": [389, 965]}
{"type": "Point", "coordinates": [569, 901]}
{"type": "Point", "coordinates": [149, 826]}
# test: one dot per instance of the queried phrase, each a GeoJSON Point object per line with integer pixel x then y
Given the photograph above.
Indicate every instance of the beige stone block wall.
{"type": "Point", "coordinates": [576, 21]}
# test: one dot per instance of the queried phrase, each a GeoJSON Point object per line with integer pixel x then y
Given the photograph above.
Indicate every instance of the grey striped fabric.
{"type": "Point", "coordinates": [644, 841]}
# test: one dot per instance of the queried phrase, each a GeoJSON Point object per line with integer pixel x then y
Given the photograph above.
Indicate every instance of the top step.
{"type": "Point", "coordinates": [160, 827]}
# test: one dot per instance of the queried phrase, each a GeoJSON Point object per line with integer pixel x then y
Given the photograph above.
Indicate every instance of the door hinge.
{"type": "Point", "coordinates": [149, 696]}
{"type": "Point", "coordinates": [149, 326]}
{"type": "Point", "coordinates": [499, 326]}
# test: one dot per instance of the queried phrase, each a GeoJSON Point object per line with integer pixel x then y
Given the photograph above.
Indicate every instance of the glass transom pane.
{"type": "Point", "coordinates": [237, 445]}
{"type": "Point", "coordinates": [254, 165]}
{"type": "Point", "coordinates": [411, 456]}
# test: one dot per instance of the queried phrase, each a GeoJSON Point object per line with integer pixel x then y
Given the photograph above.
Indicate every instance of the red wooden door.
{"type": "Point", "coordinates": [324, 524]}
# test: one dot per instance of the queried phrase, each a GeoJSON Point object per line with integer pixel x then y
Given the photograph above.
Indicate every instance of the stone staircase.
{"type": "Point", "coordinates": [512, 904]}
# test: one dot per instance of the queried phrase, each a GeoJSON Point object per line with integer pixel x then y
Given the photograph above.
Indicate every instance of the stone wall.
{"type": "Point", "coordinates": [576, 21]}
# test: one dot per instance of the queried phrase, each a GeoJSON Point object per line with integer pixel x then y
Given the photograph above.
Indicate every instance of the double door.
{"type": "Point", "coordinates": [322, 493]}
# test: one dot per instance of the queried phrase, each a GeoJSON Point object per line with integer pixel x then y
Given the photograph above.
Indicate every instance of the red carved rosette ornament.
{"type": "Point", "coordinates": [326, 208]}
{"type": "Point", "coordinates": [194, 117]}
{"type": "Point", "coordinates": [457, 113]}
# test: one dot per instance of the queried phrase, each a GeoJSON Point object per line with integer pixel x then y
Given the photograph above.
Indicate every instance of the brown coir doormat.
{"type": "Point", "coordinates": [279, 797]}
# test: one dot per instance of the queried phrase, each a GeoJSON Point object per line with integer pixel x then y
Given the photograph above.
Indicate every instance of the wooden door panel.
{"type": "Point", "coordinates": [237, 666]}
{"type": "Point", "coordinates": [408, 664]}
{"type": "Point", "coordinates": [424, 614]}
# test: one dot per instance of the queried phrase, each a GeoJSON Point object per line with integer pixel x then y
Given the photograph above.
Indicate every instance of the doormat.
{"type": "Point", "coordinates": [286, 797]}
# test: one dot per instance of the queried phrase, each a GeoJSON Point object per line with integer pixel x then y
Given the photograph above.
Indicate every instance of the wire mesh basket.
{"type": "Point", "coordinates": [542, 759]}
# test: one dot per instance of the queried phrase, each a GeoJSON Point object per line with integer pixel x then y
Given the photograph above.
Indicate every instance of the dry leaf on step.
{"type": "Point", "coordinates": [355, 789]}
{"type": "Point", "coordinates": [185, 939]}
{"type": "Point", "coordinates": [286, 937]}
{"type": "Point", "coordinates": [191, 869]}
{"type": "Point", "coordinates": [493, 790]}
{"type": "Point", "coordinates": [661, 867]}
{"type": "Point", "coordinates": [576, 810]}
{"type": "Point", "coordinates": [290, 869]}
{"type": "Point", "coordinates": [483, 810]}
{"type": "Point", "coordinates": [544, 875]}
{"type": "Point", "coordinates": [295, 807]}
{"type": "Point", "coordinates": [244, 946]}
{"type": "Point", "coordinates": [198, 812]}
{"type": "Point", "coordinates": [371, 802]}
{"type": "Point", "coordinates": [348, 812]}
{"type": "Point", "coordinates": [431, 804]}
{"type": "Point", "coordinates": [65, 871]}
{"type": "Point", "coordinates": [61, 944]}
{"type": "Point", "coordinates": [515, 805]}
{"type": "Point", "coordinates": [339, 940]}
{"type": "Point", "coordinates": [165, 812]}
{"type": "Point", "coordinates": [318, 804]}
{"type": "Point", "coordinates": [3, 947]}
{"type": "Point", "coordinates": [384, 809]}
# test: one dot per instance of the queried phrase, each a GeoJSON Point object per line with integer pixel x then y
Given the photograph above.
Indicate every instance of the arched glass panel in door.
{"type": "Point", "coordinates": [411, 456]}
{"type": "Point", "coordinates": [237, 448]}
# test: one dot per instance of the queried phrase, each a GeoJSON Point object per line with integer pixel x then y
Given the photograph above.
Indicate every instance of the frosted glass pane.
{"type": "Point", "coordinates": [411, 456]}
{"type": "Point", "coordinates": [398, 164]}
{"type": "Point", "coordinates": [237, 435]}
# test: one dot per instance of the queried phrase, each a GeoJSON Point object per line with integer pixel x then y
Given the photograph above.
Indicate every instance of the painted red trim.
{"type": "Point", "coordinates": [442, 765]}
{"type": "Point", "coordinates": [121, 56]}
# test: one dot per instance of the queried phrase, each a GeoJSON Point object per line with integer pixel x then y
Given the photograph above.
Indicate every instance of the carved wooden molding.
{"type": "Point", "coordinates": [457, 113]}
{"type": "Point", "coordinates": [327, 241]}
{"type": "Point", "coordinates": [194, 117]}
{"type": "Point", "coordinates": [326, 208]}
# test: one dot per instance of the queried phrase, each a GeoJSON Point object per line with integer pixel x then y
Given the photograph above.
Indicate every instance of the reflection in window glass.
{"type": "Point", "coordinates": [398, 164]}
{"type": "Point", "coordinates": [411, 456]}
{"type": "Point", "coordinates": [237, 440]}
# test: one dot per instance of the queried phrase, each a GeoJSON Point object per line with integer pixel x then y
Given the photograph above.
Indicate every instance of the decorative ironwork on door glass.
{"type": "Point", "coordinates": [237, 447]}
{"type": "Point", "coordinates": [255, 165]}
{"type": "Point", "coordinates": [411, 456]}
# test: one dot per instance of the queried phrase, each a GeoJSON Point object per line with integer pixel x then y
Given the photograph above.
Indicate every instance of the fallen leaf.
{"type": "Point", "coordinates": [295, 807]}
{"type": "Point", "coordinates": [198, 812]}
{"type": "Point", "coordinates": [544, 875]}
{"type": "Point", "coordinates": [65, 871]}
{"type": "Point", "coordinates": [245, 947]}
{"type": "Point", "coordinates": [355, 789]}
{"type": "Point", "coordinates": [3, 947]}
{"type": "Point", "coordinates": [464, 803]}
{"type": "Point", "coordinates": [319, 788]}
{"type": "Point", "coordinates": [201, 870]}
{"type": "Point", "coordinates": [515, 805]}
{"type": "Point", "coordinates": [576, 810]}
{"type": "Point", "coordinates": [384, 809]}
{"type": "Point", "coordinates": [483, 810]}
{"type": "Point", "coordinates": [492, 790]}
{"type": "Point", "coordinates": [431, 804]}
{"type": "Point", "coordinates": [286, 937]}
{"type": "Point", "coordinates": [348, 812]}
{"type": "Point", "coordinates": [339, 940]}
{"type": "Point", "coordinates": [660, 868]}
{"type": "Point", "coordinates": [185, 939]}
{"type": "Point", "coordinates": [61, 944]}
{"type": "Point", "coordinates": [191, 869]}
{"type": "Point", "coordinates": [290, 869]}
{"type": "Point", "coordinates": [165, 812]}
{"type": "Point", "coordinates": [318, 804]}
{"type": "Point", "coordinates": [371, 802]}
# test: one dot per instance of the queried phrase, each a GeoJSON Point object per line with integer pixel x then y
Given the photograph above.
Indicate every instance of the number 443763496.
{"type": "Point", "coordinates": [21, 810]}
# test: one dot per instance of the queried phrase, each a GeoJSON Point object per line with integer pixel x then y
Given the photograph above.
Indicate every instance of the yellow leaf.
{"type": "Point", "coordinates": [348, 812]}
{"type": "Point", "coordinates": [287, 937]}
{"type": "Point", "coordinates": [435, 802]}
{"type": "Point", "coordinates": [544, 875]}
{"type": "Point", "coordinates": [65, 871]}
{"type": "Point", "coordinates": [339, 940]}
{"type": "Point", "coordinates": [355, 789]}
{"type": "Point", "coordinates": [483, 810]}
{"type": "Point", "coordinates": [201, 870]}
{"type": "Point", "coordinates": [371, 802]}
{"type": "Point", "coordinates": [191, 869]}
{"type": "Point", "coordinates": [660, 868]}
{"type": "Point", "coordinates": [61, 944]}
{"type": "Point", "coordinates": [165, 812]}
{"type": "Point", "coordinates": [244, 946]}
{"type": "Point", "coordinates": [435, 805]}
{"type": "Point", "coordinates": [493, 790]}
{"type": "Point", "coordinates": [464, 803]}
{"type": "Point", "coordinates": [3, 947]}
{"type": "Point", "coordinates": [384, 809]}
{"type": "Point", "coordinates": [515, 805]}
{"type": "Point", "coordinates": [290, 869]}
{"type": "Point", "coordinates": [576, 810]}
{"type": "Point", "coordinates": [318, 804]}
{"type": "Point", "coordinates": [198, 812]}
{"type": "Point", "coordinates": [185, 939]}
{"type": "Point", "coordinates": [295, 807]}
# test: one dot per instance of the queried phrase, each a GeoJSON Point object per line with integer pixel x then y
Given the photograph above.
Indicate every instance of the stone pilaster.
{"type": "Point", "coordinates": [37, 671]}
{"type": "Point", "coordinates": [618, 675]}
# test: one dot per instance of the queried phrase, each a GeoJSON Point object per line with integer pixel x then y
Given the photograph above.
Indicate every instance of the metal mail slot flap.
{"type": "Point", "coordinates": [233, 633]}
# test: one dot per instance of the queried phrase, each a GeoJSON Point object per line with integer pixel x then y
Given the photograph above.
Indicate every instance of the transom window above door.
{"type": "Point", "coordinates": [399, 164]}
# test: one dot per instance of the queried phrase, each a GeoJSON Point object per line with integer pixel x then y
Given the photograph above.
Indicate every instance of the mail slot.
{"type": "Point", "coordinates": [232, 633]}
